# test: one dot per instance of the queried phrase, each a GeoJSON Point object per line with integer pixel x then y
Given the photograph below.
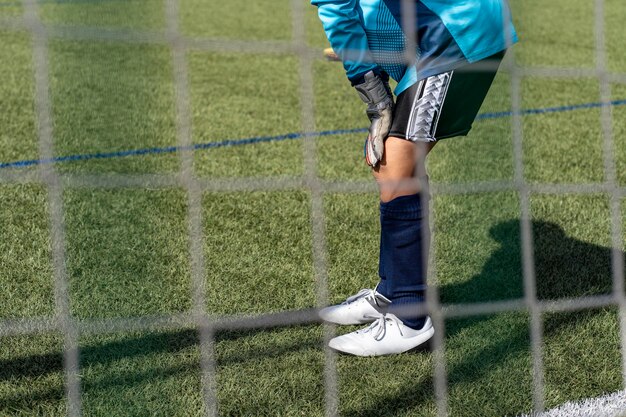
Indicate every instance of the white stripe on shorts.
{"type": "Point", "coordinates": [426, 107]}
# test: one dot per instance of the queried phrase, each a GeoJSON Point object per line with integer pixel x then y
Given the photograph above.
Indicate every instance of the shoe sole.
{"type": "Point", "coordinates": [425, 346]}
{"type": "Point", "coordinates": [352, 323]}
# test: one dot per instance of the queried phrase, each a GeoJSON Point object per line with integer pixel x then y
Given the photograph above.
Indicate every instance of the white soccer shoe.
{"type": "Point", "coordinates": [385, 336]}
{"type": "Point", "coordinates": [363, 307]}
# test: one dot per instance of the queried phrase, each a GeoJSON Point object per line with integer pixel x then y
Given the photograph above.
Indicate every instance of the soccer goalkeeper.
{"type": "Point", "coordinates": [459, 45]}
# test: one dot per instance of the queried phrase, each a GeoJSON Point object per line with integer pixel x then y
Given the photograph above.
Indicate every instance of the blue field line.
{"type": "Point", "coordinates": [545, 110]}
{"type": "Point", "coordinates": [278, 138]}
{"type": "Point", "coordinates": [173, 149]}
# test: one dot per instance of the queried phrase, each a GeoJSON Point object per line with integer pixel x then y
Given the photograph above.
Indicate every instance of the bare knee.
{"type": "Point", "coordinates": [401, 168]}
{"type": "Point", "coordinates": [390, 187]}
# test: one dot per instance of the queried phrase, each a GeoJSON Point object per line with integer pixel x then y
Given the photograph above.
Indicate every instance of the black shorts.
{"type": "Point", "coordinates": [444, 105]}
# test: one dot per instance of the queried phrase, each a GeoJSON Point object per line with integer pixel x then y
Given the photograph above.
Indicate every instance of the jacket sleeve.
{"type": "Point", "coordinates": [344, 29]}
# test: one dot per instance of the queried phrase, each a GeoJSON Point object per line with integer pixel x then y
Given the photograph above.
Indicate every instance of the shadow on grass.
{"type": "Point", "coordinates": [28, 369]}
{"type": "Point", "coordinates": [166, 342]}
{"type": "Point", "coordinates": [565, 267]}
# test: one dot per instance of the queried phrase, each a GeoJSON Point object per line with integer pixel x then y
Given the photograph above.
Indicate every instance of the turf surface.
{"type": "Point", "coordinates": [127, 249]}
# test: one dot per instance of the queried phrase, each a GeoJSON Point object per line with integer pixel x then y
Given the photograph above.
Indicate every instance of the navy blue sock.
{"type": "Point", "coordinates": [402, 265]}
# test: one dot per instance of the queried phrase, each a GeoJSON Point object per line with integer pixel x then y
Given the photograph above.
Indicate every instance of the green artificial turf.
{"type": "Point", "coordinates": [109, 97]}
{"type": "Point", "coordinates": [272, 273]}
{"type": "Point", "coordinates": [11, 9]}
{"type": "Point", "coordinates": [31, 377]}
{"type": "Point", "coordinates": [615, 36]}
{"type": "Point", "coordinates": [619, 133]}
{"type": "Point", "coordinates": [112, 14]}
{"type": "Point", "coordinates": [581, 367]}
{"type": "Point", "coordinates": [128, 250]}
{"type": "Point", "coordinates": [262, 91]}
{"type": "Point", "coordinates": [141, 374]}
{"type": "Point", "coordinates": [575, 153]}
{"type": "Point", "coordinates": [555, 34]}
{"type": "Point", "coordinates": [18, 136]}
{"type": "Point", "coordinates": [25, 250]}
{"type": "Point", "coordinates": [237, 19]}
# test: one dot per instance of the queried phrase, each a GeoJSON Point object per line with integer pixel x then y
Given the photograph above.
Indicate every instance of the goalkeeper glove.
{"type": "Point", "coordinates": [375, 92]}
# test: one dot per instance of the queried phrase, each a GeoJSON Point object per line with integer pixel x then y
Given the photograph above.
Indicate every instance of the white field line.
{"type": "Point", "coordinates": [610, 405]}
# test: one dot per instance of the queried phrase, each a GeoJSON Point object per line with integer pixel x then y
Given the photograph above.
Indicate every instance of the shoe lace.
{"type": "Point", "coordinates": [379, 326]}
{"type": "Point", "coordinates": [361, 294]}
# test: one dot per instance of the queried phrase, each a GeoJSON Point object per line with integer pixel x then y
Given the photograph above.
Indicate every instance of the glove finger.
{"type": "Point", "coordinates": [374, 148]}
{"type": "Point", "coordinates": [375, 143]}
{"type": "Point", "coordinates": [370, 158]}
{"type": "Point", "coordinates": [381, 124]}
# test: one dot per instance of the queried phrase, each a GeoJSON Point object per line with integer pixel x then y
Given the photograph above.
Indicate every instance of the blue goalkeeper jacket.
{"type": "Point", "coordinates": [367, 35]}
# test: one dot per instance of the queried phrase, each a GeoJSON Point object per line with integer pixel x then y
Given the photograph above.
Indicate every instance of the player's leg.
{"type": "Point", "coordinates": [435, 108]}
{"type": "Point", "coordinates": [402, 169]}
{"type": "Point", "coordinates": [404, 228]}
{"type": "Point", "coordinates": [444, 106]}
{"type": "Point", "coordinates": [403, 257]}
{"type": "Point", "coordinates": [403, 252]}
{"type": "Point", "coordinates": [398, 176]}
